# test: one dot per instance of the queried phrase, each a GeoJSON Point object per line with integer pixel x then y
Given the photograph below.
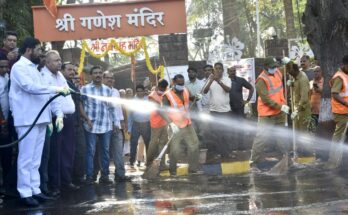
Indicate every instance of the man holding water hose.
{"type": "Point", "coordinates": [28, 94]}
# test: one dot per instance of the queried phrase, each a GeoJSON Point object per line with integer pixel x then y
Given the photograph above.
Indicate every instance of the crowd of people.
{"type": "Point", "coordinates": [71, 143]}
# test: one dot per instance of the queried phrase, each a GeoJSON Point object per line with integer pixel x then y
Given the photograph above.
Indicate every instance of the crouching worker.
{"type": "Point", "coordinates": [177, 115]}
{"type": "Point", "coordinates": [159, 126]}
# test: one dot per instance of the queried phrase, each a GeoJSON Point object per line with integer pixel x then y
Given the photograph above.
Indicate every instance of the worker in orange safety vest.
{"type": "Point", "coordinates": [271, 107]}
{"type": "Point", "coordinates": [177, 115]}
{"type": "Point", "coordinates": [159, 126]}
{"type": "Point", "coordinates": [339, 103]}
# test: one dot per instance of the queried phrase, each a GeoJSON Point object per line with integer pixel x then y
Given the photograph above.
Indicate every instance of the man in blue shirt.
{"type": "Point", "coordinates": [98, 115]}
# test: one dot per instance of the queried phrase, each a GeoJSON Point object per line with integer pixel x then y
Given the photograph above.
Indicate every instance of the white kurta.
{"type": "Point", "coordinates": [26, 99]}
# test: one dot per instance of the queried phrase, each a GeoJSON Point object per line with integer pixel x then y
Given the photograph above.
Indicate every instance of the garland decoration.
{"type": "Point", "coordinates": [114, 45]}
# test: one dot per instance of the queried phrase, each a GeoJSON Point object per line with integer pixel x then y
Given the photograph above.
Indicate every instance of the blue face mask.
{"type": "Point", "coordinates": [272, 70]}
{"type": "Point", "coordinates": [179, 88]}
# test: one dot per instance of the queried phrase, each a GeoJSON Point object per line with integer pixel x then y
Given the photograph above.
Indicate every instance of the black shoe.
{"type": "Point", "coordinates": [139, 164]}
{"type": "Point", "coordinates": [122, 179]}
{"type": "Point", "coordinates": [89, 181]}
{"type": "Point", "coordinates": [105, 180]}
{"type": "Point", "coordinates": [79, 180]}
{"type": "Point", "coordinates": [45, 191]}
{"type": "Point", "coordinates": [71, 187]}
{"type": "Point", "coordinates": [55, 193]}
{"type": "Point", "coordinates": [43, 198]}
{"type": "Point", "coordinates": [30, 202]}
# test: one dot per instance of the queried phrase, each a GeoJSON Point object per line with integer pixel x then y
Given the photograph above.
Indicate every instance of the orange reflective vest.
{"type": "Point", "coordinates": [180, 116]}
{"type": "Point", "coordinates": [337, 107]}
{"type": "Point", "coordinates": [275, 89]}
{"type": "Point", "coordinates": [156, 120]}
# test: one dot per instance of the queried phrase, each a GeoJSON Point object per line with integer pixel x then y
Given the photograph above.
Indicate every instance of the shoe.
{"type": "Point", "coordinates": [43, 198]}
{"type": "Point", "coordinates": [122, 179]}
{"type": "Point", "coordinates": [71, 186]}
{"type": "Point", "coordinates": [105, 180]}
{"type": "Point", "coordinates": [139, 164]}
{"type": "Point", "coordinates": [79, 180]}
{"type": "Point", "coordinates": [89, 181]}
{"type": "Point", "coordinates": [45, 191]}
{"type": "Point", "coordinates": [54, 193]}
{"type": "Point", "coordinates": [30, 202]}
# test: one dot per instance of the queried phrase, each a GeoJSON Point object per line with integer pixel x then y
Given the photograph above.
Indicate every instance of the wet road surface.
{"type": "Point", "coordinates": [301, 191]}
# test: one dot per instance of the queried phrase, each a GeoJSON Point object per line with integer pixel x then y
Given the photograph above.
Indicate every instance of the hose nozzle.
{"type": "Point", "coordinates": [74, 92]}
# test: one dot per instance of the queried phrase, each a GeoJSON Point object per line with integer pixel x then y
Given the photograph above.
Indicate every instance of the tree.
{"type": "Point", "coordinates": [289, 18]}
{"type": "Point", "coordinates": [326, 28]}
{"type": "Point", "coordinates": [18, 16]}
{"type": "Point", "coordinates": [231, 18]}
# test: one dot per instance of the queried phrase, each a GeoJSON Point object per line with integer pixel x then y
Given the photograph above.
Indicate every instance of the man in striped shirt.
{"type": "Point", "coordinates": [98, 115]}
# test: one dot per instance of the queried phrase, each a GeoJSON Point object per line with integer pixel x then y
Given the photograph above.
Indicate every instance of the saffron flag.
{"type": "Point", "coordinates": [51, 6]}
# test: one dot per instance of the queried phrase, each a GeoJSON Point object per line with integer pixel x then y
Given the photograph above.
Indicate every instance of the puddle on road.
{"type": "Point", "coordinates": [304, 191]}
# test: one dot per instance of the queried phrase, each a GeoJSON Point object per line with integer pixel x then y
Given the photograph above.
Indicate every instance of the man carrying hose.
{"type": "Point", "coordinates": [28, 94]}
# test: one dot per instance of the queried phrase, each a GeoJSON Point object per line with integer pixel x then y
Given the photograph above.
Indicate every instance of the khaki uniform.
{"type": "Point", "coordinates": [339, 135]}
{"type": "Point", "coordinates": [188, 136]}
{"type": "Point", "coordinates": [159, 138]}
{"type": "Point", "coordinates": [301, 100]}
{"type": "Point", "coordinates": [266, 125]}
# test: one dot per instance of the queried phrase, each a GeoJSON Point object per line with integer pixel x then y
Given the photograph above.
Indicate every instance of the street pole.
{"type": "Point", "coordinates": [258, 29]}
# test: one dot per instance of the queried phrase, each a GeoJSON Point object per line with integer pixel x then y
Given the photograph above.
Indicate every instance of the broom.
{"type": "Point", "coordinates": [152, 171]}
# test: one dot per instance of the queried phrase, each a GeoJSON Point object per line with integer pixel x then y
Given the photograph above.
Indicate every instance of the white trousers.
{"type": "Point", "coordinates": [29, 159]}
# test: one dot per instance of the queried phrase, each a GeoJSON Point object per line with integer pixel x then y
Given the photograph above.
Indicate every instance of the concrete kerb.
{"type": "Point", "coordinates": [227, 168]}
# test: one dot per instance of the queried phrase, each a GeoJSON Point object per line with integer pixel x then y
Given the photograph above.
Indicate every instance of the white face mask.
{"type": "Point", "coordinates": [179, 87]}
{"type": "Point", "coordinates": [272, 70]}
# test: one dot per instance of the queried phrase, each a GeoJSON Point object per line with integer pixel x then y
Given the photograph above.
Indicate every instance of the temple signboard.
{"type": "Point", "coordinates": [94, 21]}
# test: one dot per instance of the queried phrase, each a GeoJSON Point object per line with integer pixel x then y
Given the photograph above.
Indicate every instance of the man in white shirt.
{"type": "Point", "coordinates": [28, 94]}
{"type": "Point", "coordinates": [194, 86]}
{"type": "Point", "coordinates": [62, 141]}
{"type": "Point", "coordinates": [208, 70]}
{"type": "Point", "coordinates": [218, 88]}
